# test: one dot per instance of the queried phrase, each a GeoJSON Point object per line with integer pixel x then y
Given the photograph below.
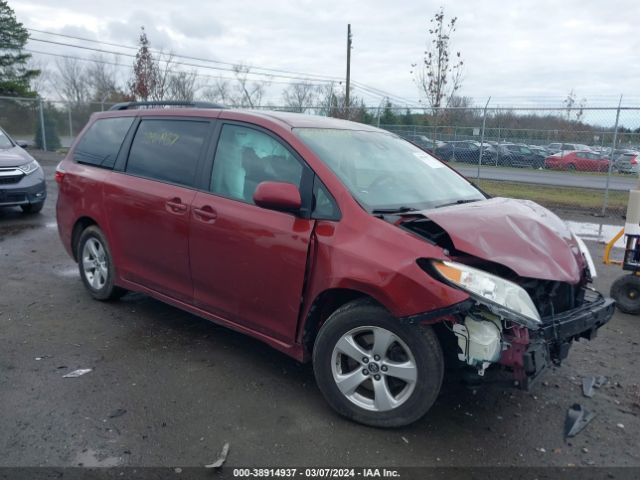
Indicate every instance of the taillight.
{"type": "Point", "coordinates": [59, 174]}
{"type": "Point", "coordinates": [634, 160]}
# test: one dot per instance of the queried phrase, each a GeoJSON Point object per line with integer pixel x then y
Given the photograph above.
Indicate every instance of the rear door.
{"type": "Point", "coordinates": [248, 263]}
{"type": "Point", "coordinates": [149, 201]}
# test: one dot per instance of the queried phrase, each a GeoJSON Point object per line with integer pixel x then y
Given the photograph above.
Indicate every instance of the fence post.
{"type": "Point", "coordinates": [613, 147]}
{"type": "Point", "coordinates": [484, 122]}
{"type": "Point", "coordinates": [70, 121]}
{"type": "Point", "coordinates": [42, 132]}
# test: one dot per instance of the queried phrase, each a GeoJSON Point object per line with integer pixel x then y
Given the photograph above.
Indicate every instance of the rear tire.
{"type": "Point", "coordinates": [32, 208]}
{"type": "Point", "coordinates": [96, 265]}
{"type": "Point", "coordinates": [571, 167]}
{"type": "Point", "coordinates": [626, 292]}
{"type": "Point", "coordinates": [373, 369]}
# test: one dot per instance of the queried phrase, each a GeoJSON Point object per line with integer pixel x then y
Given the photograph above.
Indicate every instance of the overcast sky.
{"type": "Point", "coordinates": [515, 51]}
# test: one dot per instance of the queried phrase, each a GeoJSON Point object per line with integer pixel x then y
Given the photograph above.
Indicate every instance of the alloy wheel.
{"type": "Point", "coordinates": [373, 368]}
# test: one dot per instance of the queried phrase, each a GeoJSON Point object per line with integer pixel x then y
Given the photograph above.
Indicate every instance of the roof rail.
{"type": "Point", "coordinates": [163, 103]}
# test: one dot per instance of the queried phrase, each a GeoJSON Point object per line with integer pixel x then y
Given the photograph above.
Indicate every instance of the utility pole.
{"type": "Point", "coordinates": [346, 95]}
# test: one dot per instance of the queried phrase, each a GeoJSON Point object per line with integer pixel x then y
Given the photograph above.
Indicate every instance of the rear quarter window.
{"type": "Point", "coordinates": [101, 143]}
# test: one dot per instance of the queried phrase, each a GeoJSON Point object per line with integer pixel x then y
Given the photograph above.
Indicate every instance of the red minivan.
{"type": "Point", "coordinates": [332, 241]}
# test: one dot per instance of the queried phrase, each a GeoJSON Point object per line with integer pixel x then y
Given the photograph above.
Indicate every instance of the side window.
{"type": "Point", "coordinates": [167, 150]}
{"type": "Point", "coordinates": [245, 157]}
{"type": "Point", "coordinates": [101, 143]}
{"type": "Point", "coordinates": [324, 206]}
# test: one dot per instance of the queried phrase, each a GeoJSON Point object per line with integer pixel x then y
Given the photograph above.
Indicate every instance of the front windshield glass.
{"type": "Point", "coordinates": [4, 140]}
{"type": "Point", "coordinates": [382, 171]}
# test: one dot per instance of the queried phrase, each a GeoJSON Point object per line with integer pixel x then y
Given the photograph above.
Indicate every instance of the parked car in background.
{"type": "Point", "coordinates": [518, 155]}
{"type": "Point", "coordinates": [583, 161]}
{"type": "Point", "coordinates": [22, 182]}
{"type": "Point", "coordinates": [464, 151]}
{"type": "Point", "coordinates": [554, 148]}
{"type": "Point", "coordinates": [627, 162]}
{"type": "Point", "coordinates": [424, 142]}
{"type": "Point", "coordinates": [540, 151]}
{"type": "Point", "coordinates": [332, 241]}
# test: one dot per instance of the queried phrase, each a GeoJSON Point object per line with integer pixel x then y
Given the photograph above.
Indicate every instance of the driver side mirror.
{"type": "Point", "coordinates": [279, 196]}
{"type": "Point", "coordinates": [22, 144]}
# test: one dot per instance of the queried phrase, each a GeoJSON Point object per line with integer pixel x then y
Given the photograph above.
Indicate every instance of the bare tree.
{"type": "Point", "coordinates": [219, 92]}
{"type": "Point", "coordinates": [247, 93]}
{"type": "Point", "coordinates": [574, 108]}
{"type": "Point", "coordinates": [439, 76]}
{"type": "Point", "coordinates": [162, 76]}
{"type": "Point", "coordinates": [103, 80]}
{"type": "Point", "coordinates": [71, 81]}
{"type": "Point", "coordinates": [42, 82]}
{"type": "Point", "coordinates": [299, 96]}
{"type": "Point", "coordinates": [182, 85]}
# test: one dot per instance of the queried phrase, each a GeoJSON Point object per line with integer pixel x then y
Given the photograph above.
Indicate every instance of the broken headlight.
{"type": "Point", "coordinates": [507, 298]}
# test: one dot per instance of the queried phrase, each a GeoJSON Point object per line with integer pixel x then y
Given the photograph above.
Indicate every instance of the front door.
{"type": "Point", "coordinates": [248, 263]}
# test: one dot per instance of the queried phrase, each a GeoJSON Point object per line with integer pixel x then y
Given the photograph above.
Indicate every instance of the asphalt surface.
{"type": "Point", "coordinates": [548, 177]}
{"type": "Point", "coordinates": [169, 389]}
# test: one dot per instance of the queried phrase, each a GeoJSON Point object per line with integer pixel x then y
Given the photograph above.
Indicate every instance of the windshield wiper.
{"type": "Point", "coordinates": [391, 211]}
{"type": "Point", "coordinates": [458, 202]}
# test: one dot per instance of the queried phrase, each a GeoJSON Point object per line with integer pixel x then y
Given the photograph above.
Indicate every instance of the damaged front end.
{"type": "Point", "coordinates": [512, 319]}
{"type": "Point", "coordinates": [487, 335]}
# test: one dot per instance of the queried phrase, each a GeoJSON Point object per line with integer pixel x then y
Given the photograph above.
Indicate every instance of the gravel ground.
{"type": "Point", "coordinates": [168, 388]}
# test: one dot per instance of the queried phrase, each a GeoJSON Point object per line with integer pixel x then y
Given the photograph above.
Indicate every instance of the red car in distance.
{"type": "Point", "coordinates": [579, 160]}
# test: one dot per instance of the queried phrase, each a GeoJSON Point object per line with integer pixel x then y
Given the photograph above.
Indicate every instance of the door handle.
{"type": "Point", "coordinates": [205, 214]}
{"type": "Point", "coordinates": [175, 205]}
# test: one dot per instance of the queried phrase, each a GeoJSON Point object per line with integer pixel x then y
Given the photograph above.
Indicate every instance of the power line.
{"type": "Point", "coordinates": [208, 60]}
{"type": "Point", "coordinates": [106, 62]}
{"type": "Point", "coordinates": [210, 67]}
{"type": "Point", "coordinates": [303, 76]}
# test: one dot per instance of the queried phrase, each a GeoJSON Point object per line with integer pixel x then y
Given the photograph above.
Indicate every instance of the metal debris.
{"type": "Point", "coordinates": [221, 458]}
{"type": "Point", "coordinates": [77, 373]}
{"type": "Point", "coordinates": [577, 418]}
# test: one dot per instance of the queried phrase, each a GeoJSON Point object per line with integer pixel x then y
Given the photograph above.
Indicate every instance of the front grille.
{"type": "Point", "coordinates": [13, 198]}
{"type": "Point", "coordinates": [10, 180]}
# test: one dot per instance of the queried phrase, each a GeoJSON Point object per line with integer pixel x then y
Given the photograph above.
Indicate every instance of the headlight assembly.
{"type": "Point", "coordinates": [29, 168]}
{"type": "Point", "coordinates": [510, 299]}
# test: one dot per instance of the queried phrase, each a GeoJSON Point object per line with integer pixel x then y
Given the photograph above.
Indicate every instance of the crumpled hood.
{"type": "Point", "coordinates": [519, 234]}
{"type": "Point", "coordinates": [13, 157]}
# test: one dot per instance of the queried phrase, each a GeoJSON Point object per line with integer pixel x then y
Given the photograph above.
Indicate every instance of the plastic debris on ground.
{"type": "Point", "coordinates": [221, 458]}
{"type": "Point", "coordinates": [77, 373]}
{"type": "Point", "coordinates": [589, 383]}
{"type": "Point", "coordinates": [577, 418]}
{"type": "Point", "coordinates": [117, 413]}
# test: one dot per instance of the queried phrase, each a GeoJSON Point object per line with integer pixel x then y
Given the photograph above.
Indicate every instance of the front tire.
{"type": "Point", "coordinates": [374, 370]}
{"type": "Point", "coordinates": [96, 265]}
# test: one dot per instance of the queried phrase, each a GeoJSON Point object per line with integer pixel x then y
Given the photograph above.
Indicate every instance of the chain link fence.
{"type": "Point", "coordinates": [577, 158]}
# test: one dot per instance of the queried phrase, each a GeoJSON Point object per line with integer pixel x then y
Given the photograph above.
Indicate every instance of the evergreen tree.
{"type": "Point", "coordinates": [15, 75]}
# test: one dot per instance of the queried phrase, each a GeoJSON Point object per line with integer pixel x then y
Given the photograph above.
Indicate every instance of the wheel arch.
{"type": "Point", "coordinates": [323, 306]}
{"type": "Point", "coordinates": [79, 226]}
